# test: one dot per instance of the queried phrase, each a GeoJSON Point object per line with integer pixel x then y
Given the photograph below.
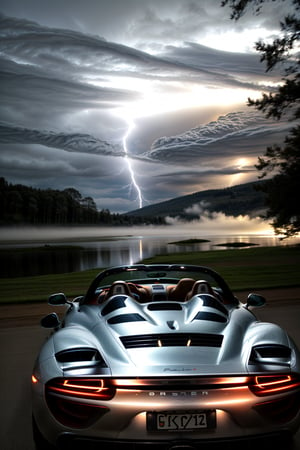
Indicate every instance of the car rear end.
{"type": "Point", "coordinates": [194, 410]}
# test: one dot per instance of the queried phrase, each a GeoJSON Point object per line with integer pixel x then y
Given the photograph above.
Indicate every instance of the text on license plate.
{"type": "Point", "coordinates": [188, 421]}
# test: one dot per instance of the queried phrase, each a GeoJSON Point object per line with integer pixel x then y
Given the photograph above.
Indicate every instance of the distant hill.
{"type": "Point", "coordinates": [242, 199]}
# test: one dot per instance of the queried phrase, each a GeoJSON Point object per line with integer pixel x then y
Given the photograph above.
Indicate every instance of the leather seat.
{"type": "Point", "coordinates": [142, 295]}
{"type": "Point", "coordinates": [181, 289]}
{"type": "Point", "coordinates": [118, 287]}
{"type": "Point", "coordinates": [130, 289]}
{"type": "Point", "coordinates": [200, 287]}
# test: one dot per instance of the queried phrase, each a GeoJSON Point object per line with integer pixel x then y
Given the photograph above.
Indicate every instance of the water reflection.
{"type": "Point", "coordinates": [33, 258]}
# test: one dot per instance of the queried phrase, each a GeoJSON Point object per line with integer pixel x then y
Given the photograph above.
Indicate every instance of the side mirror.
{"type": "Point", "coordinates": [50, 321]}
{"type": "Point", "coordinates": [255, 300]}
{"type": "Point", "coordinates": [57, 299]}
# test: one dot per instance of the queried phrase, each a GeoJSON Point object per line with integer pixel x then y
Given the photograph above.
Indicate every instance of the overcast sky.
{"type": "Point", "coordinates": [132, 102]}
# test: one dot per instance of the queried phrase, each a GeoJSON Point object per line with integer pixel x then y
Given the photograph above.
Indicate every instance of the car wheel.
{"type": "Point", "coordinates": [39, 440]}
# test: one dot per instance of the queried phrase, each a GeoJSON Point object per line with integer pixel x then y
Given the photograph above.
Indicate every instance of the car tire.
{"type": "Point", "coordinates": [39, 440]}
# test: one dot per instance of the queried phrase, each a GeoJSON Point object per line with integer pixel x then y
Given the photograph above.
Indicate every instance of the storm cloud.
{"type": "Point", "coordinates": [228, 135]}
{"type": "Point", "coordinates": [80, 143]}
{"type": "Point", "coordinates": [170, 79]}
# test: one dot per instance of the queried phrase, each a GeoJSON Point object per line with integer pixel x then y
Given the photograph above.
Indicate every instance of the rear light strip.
{"type": "Point", "coordinates": [274, 384]}
{"type": "Point", "coordinates": [81, 387]}
{"type": "Point", "coordinates": [105, 389]}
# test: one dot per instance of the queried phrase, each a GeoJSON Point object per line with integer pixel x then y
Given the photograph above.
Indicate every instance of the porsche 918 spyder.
{"type": "Point", "coordinates": [162, 356]}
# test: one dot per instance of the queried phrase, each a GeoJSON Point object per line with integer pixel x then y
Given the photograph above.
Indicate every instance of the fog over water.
{"type": "Point", "coordinates": [217, 224]}
{"type": "Point", "coordinates": [28, 251]}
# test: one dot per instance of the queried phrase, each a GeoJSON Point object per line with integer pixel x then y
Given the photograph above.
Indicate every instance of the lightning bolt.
{"type": "Point", "coordinates": [134, 183]}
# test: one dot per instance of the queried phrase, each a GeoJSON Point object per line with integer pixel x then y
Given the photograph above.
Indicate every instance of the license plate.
{"type": "Point", "coordinates": [181, 421]}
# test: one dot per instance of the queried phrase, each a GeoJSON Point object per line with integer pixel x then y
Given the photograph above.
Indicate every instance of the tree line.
{"type": "Point", "coordinates": [21, 204]}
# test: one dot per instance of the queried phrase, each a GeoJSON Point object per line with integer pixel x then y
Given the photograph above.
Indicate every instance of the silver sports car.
{"type": "Point", "coordinates": [163, 356]}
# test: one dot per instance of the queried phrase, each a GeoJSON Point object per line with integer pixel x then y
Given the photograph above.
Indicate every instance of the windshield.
{"type": "Point", "coordinates": [151, 276]}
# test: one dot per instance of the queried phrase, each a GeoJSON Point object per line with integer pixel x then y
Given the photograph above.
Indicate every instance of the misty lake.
{"type": "Point", "coordinates": [27, 252]}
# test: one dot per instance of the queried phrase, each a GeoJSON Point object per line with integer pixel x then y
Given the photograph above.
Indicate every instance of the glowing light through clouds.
{"type": "Point", "coordinates": [178, 73]}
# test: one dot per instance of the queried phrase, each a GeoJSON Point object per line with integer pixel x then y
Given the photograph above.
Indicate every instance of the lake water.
{"type": "Point", "coordinates": [26, 252]}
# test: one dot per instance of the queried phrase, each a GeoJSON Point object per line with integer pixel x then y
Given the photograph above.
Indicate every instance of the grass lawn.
{"type": "Point", "coordinates": [243, 269]}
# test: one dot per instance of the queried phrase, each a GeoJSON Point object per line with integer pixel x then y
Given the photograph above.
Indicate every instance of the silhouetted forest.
{"type": "Point", "coordinates": [26, 205]}
{"type": "Point", "coordinates": [243, 199]}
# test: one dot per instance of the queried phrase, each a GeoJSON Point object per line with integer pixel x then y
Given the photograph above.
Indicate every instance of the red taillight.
{"type": "Point", "coordinates": [73, 401]}
{"type": "Point", "coordinates": [274, 384]}
{"type": "Point", "coordinates": [87, 388]}
{"type": "Point", "coordinates": [74, 414]}
{"type": "Point", "coordinates": [280, 410]}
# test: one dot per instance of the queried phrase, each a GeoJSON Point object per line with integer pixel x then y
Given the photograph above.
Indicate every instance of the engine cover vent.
{"type": "Point", "coordinates": [172, 340]}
